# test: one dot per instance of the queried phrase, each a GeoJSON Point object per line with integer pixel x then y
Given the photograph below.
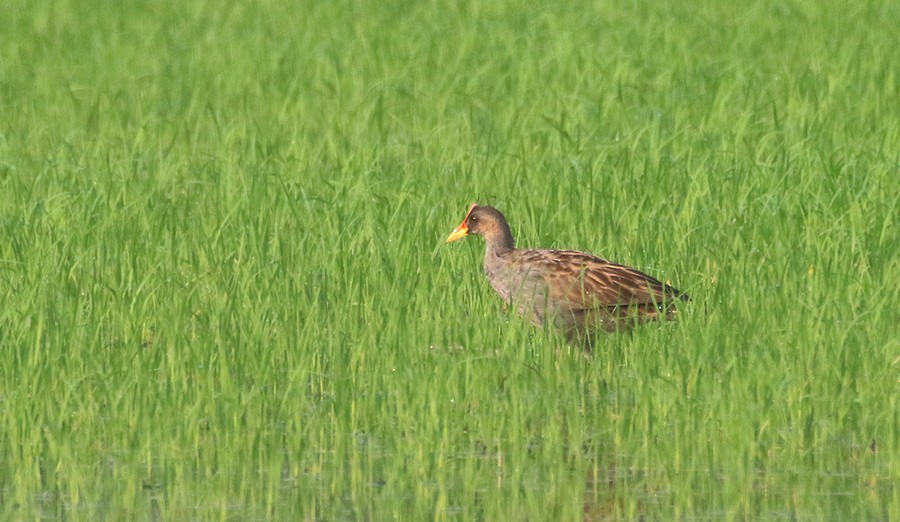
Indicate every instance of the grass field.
{"type": "Point", "coordinates": [226, 293]}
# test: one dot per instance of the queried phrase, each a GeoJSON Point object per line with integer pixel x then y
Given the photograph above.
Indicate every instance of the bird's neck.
{"type": "Point", "coordinates": [495, 257]}
{"type": "Point", "coordinates": [500, 240]}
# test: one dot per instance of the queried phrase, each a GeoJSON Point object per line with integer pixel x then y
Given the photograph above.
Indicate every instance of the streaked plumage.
{"type": "Point", "coordinates": [575, 291]}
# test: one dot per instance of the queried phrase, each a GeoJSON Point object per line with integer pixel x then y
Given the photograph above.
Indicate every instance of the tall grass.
{"type": "Point", "coordinates": [226, 295]}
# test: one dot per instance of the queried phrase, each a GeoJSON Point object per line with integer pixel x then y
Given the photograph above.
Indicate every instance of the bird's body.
{"type": "Point", "coordinates": [576, 292]}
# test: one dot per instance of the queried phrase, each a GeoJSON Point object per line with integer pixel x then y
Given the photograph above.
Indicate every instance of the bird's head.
{"type": "Point", "coordinates": [484, 221]}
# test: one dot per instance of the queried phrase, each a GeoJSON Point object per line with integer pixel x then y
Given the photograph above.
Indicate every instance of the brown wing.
{"type": "Point", "coordinates": [581, 281]}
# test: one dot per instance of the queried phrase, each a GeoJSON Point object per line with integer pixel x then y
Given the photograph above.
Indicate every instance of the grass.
{"type": "Point", "coordinates": [226, 294]}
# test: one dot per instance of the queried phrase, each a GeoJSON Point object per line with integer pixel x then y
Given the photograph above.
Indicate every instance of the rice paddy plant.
{"type": "Point", "coordinates": [226, 293]}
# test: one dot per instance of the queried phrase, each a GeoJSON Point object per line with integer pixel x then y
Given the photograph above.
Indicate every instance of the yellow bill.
{"type": "Point", "coordinates": [462, 230]}
{"type": "Point", "coordinates": [458, 233]}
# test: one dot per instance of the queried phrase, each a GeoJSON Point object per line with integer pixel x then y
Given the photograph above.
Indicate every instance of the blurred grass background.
{"type": "Point", "coordinates": [226, 293]}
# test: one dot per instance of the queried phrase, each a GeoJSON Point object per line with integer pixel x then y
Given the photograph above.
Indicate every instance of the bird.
{"type": "Point", "coordinates": [575, 292]}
